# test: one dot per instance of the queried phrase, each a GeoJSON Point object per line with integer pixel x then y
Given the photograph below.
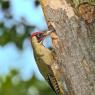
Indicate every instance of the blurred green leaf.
{"type": "Point", "coordinates": [24, 87]}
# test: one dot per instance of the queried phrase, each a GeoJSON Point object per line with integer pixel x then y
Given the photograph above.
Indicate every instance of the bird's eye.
{"type": "Point", "coordinates": [39, 35]}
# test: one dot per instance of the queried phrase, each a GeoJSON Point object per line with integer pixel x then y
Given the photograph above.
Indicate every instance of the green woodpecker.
{"type": "Point", "coordinates": [44, 59]}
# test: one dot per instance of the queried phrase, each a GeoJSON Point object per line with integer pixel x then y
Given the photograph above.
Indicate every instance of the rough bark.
{"type": "Point", "coordinates": [76, 48]}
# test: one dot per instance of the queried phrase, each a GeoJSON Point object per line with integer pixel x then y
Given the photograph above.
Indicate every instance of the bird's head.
{"type": "Point", "coordinates": [39, 36]}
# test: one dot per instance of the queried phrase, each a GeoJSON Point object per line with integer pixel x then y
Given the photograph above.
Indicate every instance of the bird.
{"type": "Point", "coordinates": [44, 58]}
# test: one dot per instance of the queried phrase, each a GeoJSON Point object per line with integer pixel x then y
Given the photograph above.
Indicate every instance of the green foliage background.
{"type": "Point", "coordinates": [13, 84]}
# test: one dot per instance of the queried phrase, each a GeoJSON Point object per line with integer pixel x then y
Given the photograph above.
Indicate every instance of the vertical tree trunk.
{"type": "Point", "coordinates": [75, 27]}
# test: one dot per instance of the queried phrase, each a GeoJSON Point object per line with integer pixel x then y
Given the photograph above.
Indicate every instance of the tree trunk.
{"type": "Point", "coordinates": [75, 27]}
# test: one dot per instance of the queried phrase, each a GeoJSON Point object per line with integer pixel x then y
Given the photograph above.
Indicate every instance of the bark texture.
{"type": "Point", "coordinates": [75, 27]}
